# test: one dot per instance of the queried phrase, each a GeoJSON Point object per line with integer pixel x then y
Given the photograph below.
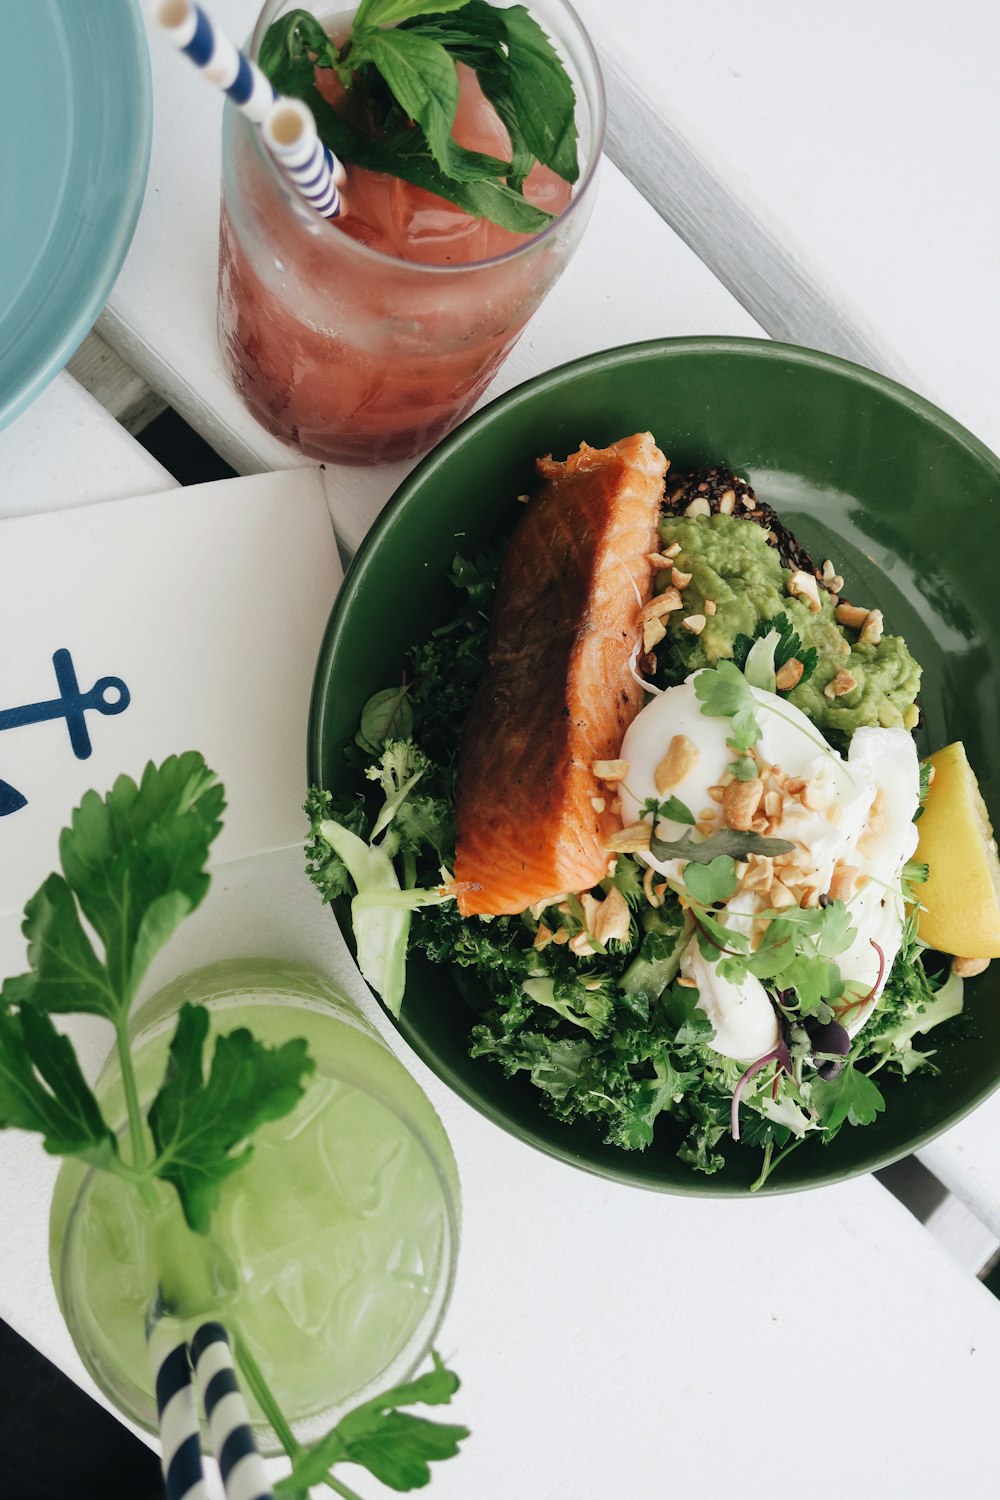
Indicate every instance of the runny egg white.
{"type": "Point", "coordinates": [851, 822]}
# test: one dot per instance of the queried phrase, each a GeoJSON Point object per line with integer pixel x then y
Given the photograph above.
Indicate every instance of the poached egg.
{"type": "Point", "coordinates": [850, 821]}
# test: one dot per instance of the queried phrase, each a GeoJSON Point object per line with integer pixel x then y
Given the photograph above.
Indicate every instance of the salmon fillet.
{"type": "Point", "coordinates": [557, 693]}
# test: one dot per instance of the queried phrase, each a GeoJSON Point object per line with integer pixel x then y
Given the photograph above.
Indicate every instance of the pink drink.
{"type": "Point", "coordinates": [367, 339]}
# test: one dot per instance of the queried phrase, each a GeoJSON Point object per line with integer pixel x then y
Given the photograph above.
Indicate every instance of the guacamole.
{"type": "Point", "coordinates": [733, 565]}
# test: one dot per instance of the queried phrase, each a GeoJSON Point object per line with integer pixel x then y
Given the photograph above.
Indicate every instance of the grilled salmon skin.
{"type": "Point", "coordinates": [557, 693]}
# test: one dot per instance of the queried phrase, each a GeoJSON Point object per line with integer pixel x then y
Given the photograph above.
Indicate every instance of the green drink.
{"type": "Point", "coordinates": [331, 1255]}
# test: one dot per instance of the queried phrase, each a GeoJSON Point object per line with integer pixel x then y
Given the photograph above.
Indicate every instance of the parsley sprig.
{"type": "Point", "coordinates": [398, 64]}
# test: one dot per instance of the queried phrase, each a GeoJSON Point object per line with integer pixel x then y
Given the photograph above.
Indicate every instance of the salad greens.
{"type": "Point", "coordinates": [133, 867]}
{"type": "Point", "coordinates": [398, 66]}
{"type": "Point", "coordinates": [604, 1028]}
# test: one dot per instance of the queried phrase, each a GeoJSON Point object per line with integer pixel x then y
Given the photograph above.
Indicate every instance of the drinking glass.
{"type": "Point", "coordinates": [356, 356]}
{"type": "Point", "coordinates": [331, 1255]}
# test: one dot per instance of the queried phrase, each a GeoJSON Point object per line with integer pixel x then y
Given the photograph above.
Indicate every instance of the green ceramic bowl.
{"type": "Point", "coordinates": [904, 500]}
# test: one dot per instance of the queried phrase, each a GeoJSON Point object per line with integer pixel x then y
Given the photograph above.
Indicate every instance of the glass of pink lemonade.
{"type": "Point", "coordinates": [365, 339]}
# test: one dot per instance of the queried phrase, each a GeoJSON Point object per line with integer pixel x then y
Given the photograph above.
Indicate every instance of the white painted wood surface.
{"type": "Point", "coordinates": [835, 166]}
{"type": "Point", "coordinates": [65, 449]}
{"type": "Point", "coordinates": [632, 278]}
{"type": "Point", "coordinates": [967, 1160]}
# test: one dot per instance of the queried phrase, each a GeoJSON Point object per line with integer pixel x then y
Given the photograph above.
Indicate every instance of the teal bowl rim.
{"type": "Point", "coordinates": [467, 431]}
{"type": "Point", "coordinates": [52, 359]}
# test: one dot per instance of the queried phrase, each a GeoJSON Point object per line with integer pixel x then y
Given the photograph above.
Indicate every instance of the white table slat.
{"type": "Point", "coordinates": [967, 1160]}
{"type": "Point", "coordinates": [66, 450]}
{"type": "Point", "coordinates": [632, 278]}
{"type": "Point", "coordinates": [835, 167]}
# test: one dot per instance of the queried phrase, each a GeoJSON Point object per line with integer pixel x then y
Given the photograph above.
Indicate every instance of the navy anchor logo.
{"type": "Point", "coordinates": [109, 695]}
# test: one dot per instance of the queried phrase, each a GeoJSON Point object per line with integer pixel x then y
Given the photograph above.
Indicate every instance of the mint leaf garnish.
{"type": "Point", "coordinates": [200, 1126]}
{"type": "Point", "coordinates": [400, 56]}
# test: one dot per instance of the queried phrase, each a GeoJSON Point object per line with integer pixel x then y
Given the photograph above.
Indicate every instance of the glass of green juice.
{"type": "Point", "coordinates": [331, 1256]}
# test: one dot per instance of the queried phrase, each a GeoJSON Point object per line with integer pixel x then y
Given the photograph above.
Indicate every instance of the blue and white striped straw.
{"type": "Point", "coordinates": [289, 133]}
{"type": "Point", "coordinates": [230, 1434]}
{"type": "Point", "coordinates": [311, 168]}
{"type": "Point", "coordinates": [177, 1411]}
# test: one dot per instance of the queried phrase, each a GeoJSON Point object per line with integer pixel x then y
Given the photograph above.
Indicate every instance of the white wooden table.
{"type": "Point", "coordinates": [612, 1341]}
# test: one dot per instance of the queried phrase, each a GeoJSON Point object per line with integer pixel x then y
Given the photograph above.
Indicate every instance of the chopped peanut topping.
{"type": "Point", "coordinates": [759, 873]}
{"type": "Point", "coordinates": [727, 503]}
{"type": "Point", "coordinates": [612, 921]}
{"type": "Point", "coordinates": [717, 793]}
{"type": "Point", "coordinates": [842, 884]}
{"type": "Point", "coordinates": [680, 580]}
{"type": "Point", "coordinates": [803, 585]}
{"type": "Point", "coordinates": [598, 804]}
{"type": "Point", "coordinates": [871, 630]}
{"type": "Point", "coordinates": [560, 936]}
{"type": "Point", "coordinates": [740, 803]}
{"type": "Point", "coordinates": [543, 937]}
{"type": "Point", "coordinates": [788, 675]}
{"type": "Point", "coordinates": [699, 507]}
{"type": "Point", "coordinates": [681, 757]}
{"type": "Point", "coordinates": [772, 803]}
{"type": "Point", "coordinates": [653, 632]}
{"type": "Point", "coordinates": [661, 560]}
{"type": "Point", "coordinates": [610, 770]}
{"type": "Point", "coordinates": [580, 944]}
{"type": "Point", "coordinates": [851, 615]}
{"type": "Point", "coordinates": [661, 604]}
{"type": "Point", "coordinates": [968, 968]}
{"type": "Point", "coordinates": [709, 606]}
{"type": "Point", "coordinates": [629, 840]}
{"type": "Point", "coordinates": [672, 550]}
{"type": "Point", "coordinates": [843, 683]}
{"type": "Point", "coordinates": [781, 897]}
{"type": "Point", "coordinates": [694, 623]}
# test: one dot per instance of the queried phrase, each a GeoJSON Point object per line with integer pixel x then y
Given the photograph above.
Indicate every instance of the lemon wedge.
{"type": "Point", "coordinates": [962, 894]}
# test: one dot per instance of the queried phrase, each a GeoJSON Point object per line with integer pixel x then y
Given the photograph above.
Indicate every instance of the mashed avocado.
{"type": "Point", "coordinates": [733, 565]}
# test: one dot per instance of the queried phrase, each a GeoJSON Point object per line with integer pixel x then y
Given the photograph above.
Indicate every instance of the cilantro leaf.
{"type": "Point", "coordinates": [200, 1127]}
{"type": "Point", "coordinates": [852, 1097]}
{"type": "Point", "coordinates": [43, 1089]}
{"type": "Point", "coordinates": [724, 693]}
{"type": "Point", "coordinates": [788, 645]}
{"type": "Point", "coordinates": [724, 841]}
{"type": "Point", "coordinates": [394, 1446]}
{"type": "Point", "coordinates": [708, 883]}
{"type": "Point", "coordinates": [672, 808]}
